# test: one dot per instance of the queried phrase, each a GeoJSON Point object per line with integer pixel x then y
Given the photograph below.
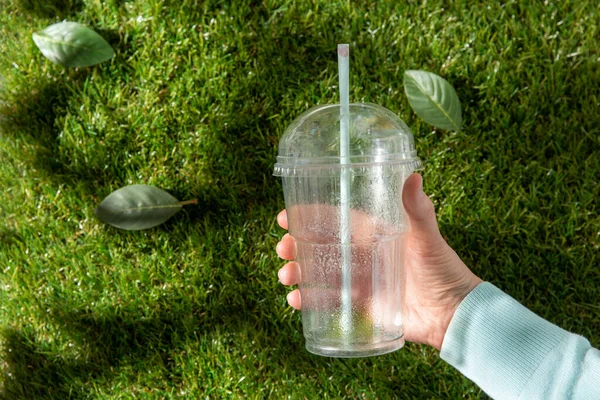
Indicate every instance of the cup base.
{"type": "Point", "coordinates": [367, 350]}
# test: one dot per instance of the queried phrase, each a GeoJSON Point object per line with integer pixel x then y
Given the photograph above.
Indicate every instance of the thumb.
{"type": "Point", "coordinates": [419, 209]}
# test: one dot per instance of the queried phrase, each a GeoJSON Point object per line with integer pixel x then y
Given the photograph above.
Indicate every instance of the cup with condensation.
{"type": "Point", "coordinates": [352, 285]}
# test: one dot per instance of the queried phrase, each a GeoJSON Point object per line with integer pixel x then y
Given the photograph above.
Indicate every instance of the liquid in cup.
{"type": "Point", "coordinates": [364, 317]}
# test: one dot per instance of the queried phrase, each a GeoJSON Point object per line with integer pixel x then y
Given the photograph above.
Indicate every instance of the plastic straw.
{"type": "Point", "coordinates": [345, 235]}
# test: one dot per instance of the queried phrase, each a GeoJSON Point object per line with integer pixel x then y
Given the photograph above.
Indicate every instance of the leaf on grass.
{"type": "Point", "coordinates": [72, 45]}
{"type": "Point", "coordinates": [433, 99]}
{"type": "Point", "coordinates": [137, 207]}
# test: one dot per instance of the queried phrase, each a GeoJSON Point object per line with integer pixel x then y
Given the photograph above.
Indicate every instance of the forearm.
{"type": "Point", "coordinates": [512, 353]}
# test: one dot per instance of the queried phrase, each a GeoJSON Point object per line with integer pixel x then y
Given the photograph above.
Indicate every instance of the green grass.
{"type": "Point", "coordinates": [194, 102]}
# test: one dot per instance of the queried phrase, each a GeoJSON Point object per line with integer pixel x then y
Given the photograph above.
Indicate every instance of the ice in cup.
{"type": "Point", "coordinates": [351, 285]}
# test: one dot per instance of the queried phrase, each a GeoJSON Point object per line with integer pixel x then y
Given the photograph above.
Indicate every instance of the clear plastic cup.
{"type": "Point", "coordinates": [350, 310]}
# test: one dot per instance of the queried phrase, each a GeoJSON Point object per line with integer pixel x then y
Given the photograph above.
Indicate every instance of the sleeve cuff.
{"type": "Point", "coordinates": [496, 342]}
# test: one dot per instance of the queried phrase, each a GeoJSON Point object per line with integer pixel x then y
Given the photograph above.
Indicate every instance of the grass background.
{"type": "Point", "coordinates": [194, 102]}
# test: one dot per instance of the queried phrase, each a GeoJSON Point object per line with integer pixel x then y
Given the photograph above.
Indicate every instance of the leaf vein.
{"type": "Point", "coordinates": [174, 205]}
{"type": "Point", "coordinates": [422, 90]}
{"type": "Point", "coordinates": [49, 39]}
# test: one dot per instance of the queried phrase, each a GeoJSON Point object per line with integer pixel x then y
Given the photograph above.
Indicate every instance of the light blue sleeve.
{"type": "Point", "coordinates": [511, 353]}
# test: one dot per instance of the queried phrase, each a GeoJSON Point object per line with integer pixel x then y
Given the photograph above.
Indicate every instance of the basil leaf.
{"type": "Point", "coordinates": [137, 207]}
{"type": "Point", "coordinates": [72, 45]}
{"type": "Point", "coordinates": [433, 99]}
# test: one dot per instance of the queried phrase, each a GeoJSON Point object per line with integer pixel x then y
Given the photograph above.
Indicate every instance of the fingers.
{"type": "Point", "coordinates": [289, 274]}
{"type": "Point", "coordinates": [293, 299]}
{"type": "Point", "coordinates": [286, 248]}
{"type": "Point", "coordinates": [282, 219]}
{"type": "Point", "coordinates": [419, 208]}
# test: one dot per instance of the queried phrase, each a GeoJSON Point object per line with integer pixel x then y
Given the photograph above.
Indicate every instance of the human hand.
{"type": "Point", "coordinates": [436, 278]}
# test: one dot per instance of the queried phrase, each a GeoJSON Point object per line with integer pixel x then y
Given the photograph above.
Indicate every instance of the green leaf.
{"type": "Point", "coordinates": [72, 45]}
{"type": "Point", "coordinates": [433, 99]}
{"type": "Point", "coordinates": [137, 207]}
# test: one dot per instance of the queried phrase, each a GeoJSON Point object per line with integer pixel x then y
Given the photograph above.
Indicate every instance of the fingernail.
{"type": "Point", "coordinates": [279, 275]}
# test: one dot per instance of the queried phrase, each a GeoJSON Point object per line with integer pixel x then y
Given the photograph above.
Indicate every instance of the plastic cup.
{"type": "Point", "coordinates": [359, 314]}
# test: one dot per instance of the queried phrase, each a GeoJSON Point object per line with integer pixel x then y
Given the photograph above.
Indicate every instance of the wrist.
{"type": "Point", "coordinates": [454, 299]}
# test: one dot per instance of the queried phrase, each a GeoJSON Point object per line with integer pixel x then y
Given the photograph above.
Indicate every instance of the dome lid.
{"type": "Point", "coordinates": [377, 136]}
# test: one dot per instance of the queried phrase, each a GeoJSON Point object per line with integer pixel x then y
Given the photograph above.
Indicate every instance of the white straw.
{"type": "Point", "coordinates": [345, 235]}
